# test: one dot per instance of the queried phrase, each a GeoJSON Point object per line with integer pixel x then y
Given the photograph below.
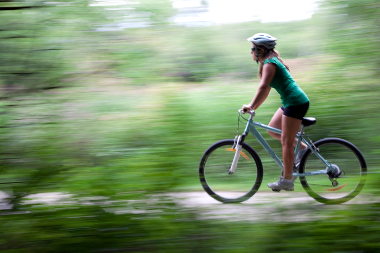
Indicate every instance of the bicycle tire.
{"type": "Point", "coordinates": [348, 158]}
{"type": "Point", "coordinates": [226, 188]}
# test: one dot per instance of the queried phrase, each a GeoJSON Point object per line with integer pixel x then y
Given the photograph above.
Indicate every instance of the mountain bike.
{"type": "Point", "coordinates": [332, 170]}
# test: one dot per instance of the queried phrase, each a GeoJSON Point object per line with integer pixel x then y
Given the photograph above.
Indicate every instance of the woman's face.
{"type": "Point", "coordinates": [253, 52]}
{"type": "Point", "coordinates": [259, 51]}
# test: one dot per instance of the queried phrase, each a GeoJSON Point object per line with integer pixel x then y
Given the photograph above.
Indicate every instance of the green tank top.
{"type": "Point", "coordinates": [291, 94]}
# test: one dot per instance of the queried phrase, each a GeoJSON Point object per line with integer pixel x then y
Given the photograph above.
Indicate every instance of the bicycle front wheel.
{"type": "Point", "coordinates": [237, 187]}
{"type": "Point", "coordinates": [340, 154]}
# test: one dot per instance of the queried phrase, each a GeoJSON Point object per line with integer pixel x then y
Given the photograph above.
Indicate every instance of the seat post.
{"type": "Point", "coordinates": [302, 129]}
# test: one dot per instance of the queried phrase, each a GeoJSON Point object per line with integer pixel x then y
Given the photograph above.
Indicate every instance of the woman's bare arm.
{"type": "Point", "coordinates": [263, 90]}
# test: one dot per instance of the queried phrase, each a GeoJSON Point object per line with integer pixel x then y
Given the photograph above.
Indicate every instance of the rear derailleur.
{"type": "Point", "coordinates": [333, 175]}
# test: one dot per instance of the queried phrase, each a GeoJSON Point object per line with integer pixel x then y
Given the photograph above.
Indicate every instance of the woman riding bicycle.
{"type": "Point", "coordinates": [275, 74]}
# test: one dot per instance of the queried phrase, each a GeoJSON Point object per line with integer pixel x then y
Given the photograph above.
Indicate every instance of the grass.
{"type": "Point", "coordinates": [157, 134]}
{"type": "Point", "coordinates": [134, 113]}
{"type": "Point", "coordinates": [127, 142]}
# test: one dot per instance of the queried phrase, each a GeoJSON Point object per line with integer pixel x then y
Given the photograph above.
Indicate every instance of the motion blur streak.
{"type": "Point", "coordinates": [103, 124]}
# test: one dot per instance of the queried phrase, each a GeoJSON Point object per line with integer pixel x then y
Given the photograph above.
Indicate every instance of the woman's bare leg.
{"type": "Point", "coordinates": [276, 122]}
{"type": "Point", "coordinates": [290, 127]}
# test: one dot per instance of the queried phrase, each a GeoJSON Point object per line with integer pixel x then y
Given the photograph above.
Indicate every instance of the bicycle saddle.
{"type": "Point", "coordinates": [308, 121]}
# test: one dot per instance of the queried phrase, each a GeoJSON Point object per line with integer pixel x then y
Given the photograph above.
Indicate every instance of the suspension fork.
{"type": "Point", "coordinates": [237, 146]}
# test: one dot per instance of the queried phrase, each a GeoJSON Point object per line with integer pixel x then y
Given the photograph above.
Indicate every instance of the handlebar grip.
{"type": "Point", "coordinates": [245, 110]}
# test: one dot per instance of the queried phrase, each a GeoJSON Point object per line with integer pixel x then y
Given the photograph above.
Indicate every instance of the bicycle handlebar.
{"type": "Point", "coordinates": [251, 112]}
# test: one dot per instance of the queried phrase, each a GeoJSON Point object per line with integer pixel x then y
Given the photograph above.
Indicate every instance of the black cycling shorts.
{"type": "Point", "coordinates": [297, 111]}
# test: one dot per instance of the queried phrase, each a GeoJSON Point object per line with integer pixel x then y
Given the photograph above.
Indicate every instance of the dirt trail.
{"type": "Point", "coordinates": [263, 206]}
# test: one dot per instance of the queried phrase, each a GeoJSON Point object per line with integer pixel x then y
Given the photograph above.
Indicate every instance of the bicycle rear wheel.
{"type": "Point", "coordinates": [237, 187]}
{"type": "Point", "coordinates": [343, 155]}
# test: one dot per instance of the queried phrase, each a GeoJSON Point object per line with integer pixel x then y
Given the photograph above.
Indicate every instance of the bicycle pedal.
{"type": "Point", "coordinates": [276, 190]}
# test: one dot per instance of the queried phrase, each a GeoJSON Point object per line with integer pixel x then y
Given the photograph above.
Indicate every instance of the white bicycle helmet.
{"type": "Point", "coordinates": [262, 39]}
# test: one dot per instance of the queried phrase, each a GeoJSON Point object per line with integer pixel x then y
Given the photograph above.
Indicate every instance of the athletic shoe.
{"type": "Point", "coordinates": [294, 178]}
{"type": "Point", "coordinates": [282, 184]}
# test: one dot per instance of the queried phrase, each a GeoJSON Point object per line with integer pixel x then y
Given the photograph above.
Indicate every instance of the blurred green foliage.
{"type": "Point", "coordinates": [116, 117]}
{"type": "Point", "coordinates": [355, 34]}
{"type": "Point", "coordinates": [93, 228]}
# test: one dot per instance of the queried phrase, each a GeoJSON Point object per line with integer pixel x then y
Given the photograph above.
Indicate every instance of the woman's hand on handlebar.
{"type": "Point", "coordinates": [246, 108]}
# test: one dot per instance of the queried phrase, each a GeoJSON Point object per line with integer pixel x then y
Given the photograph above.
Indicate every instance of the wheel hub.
{"type": "Point", "coordinates": [335, 173]}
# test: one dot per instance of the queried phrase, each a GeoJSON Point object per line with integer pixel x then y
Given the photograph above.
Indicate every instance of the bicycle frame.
{"type": "Point", "coordinates": [251, 127]}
